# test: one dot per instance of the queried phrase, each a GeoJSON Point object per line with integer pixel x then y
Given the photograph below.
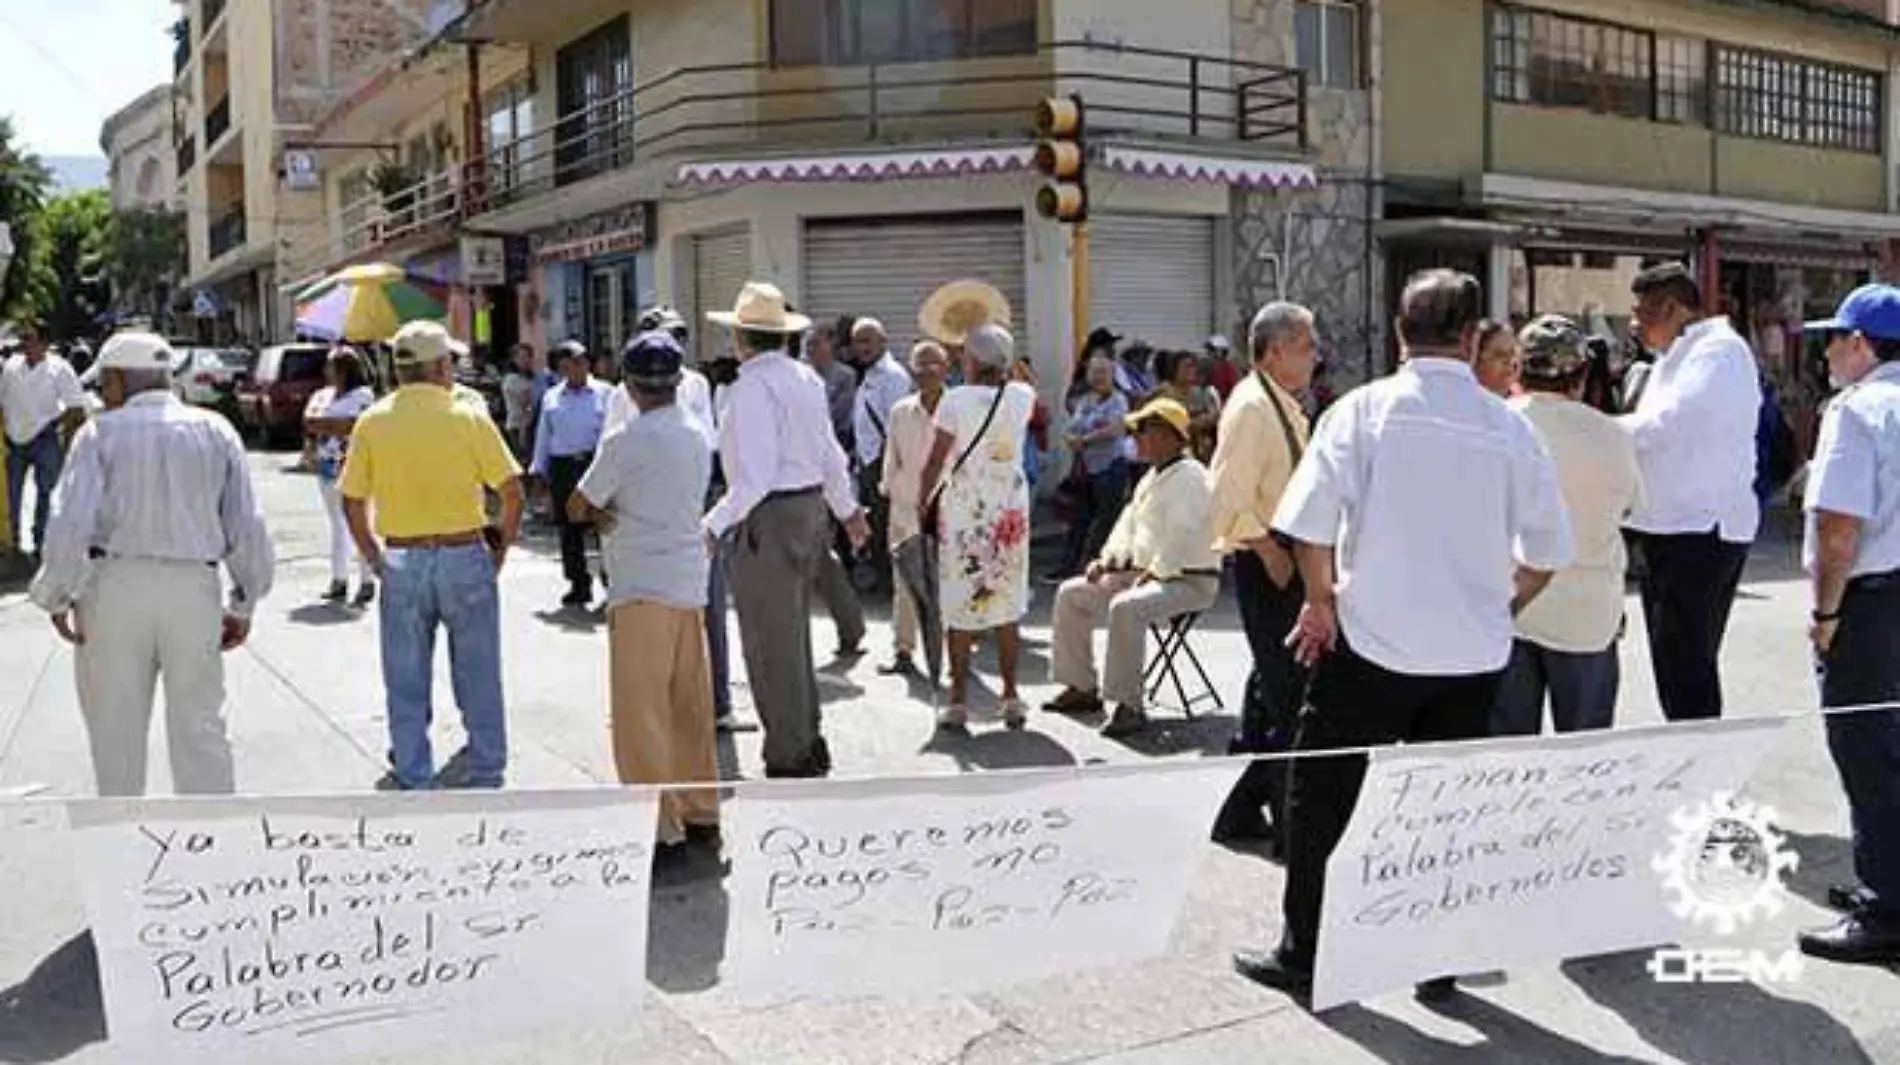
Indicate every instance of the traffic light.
{"type": "Point", "coordinates": [1062, 157]}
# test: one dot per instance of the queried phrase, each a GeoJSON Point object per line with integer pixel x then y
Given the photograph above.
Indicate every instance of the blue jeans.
{"type": "Point", "coordinates": [718, 639]}
{"type": "Point", "coordinates": [454, 588]}
{"type": "Point", "coordinates": [43, 456]}
{"type": "Point", "coordinates": [1581, 689]}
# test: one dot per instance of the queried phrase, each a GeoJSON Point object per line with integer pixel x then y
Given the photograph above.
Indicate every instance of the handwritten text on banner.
{"type": "Point", "coordinates": [970, 883]}
{"type": "Point", "coordinates": [1463, 860]}
{"type": "Point", "coordinates": [277, 929]}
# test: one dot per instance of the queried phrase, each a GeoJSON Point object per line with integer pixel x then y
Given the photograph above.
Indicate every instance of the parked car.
{"type": "Point", "coordinates": [204, 377]}
{"type": "Point", "coordinates": [271, 398]}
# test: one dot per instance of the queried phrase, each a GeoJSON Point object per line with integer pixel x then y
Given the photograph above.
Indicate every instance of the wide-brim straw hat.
{"type": "Point", "coordinates": [760, 308]}
{"type": "Point", "coordinates": [960, 306]}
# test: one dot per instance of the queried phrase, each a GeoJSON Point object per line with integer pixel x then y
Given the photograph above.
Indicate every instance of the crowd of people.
{"type": "Point", "coordinates": [1437, 557]}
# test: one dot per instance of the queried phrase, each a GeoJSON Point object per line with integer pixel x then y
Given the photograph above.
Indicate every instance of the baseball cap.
{"type": "Point", "coordinates": [135, 350]}
{"type": "Point", "coordinates": [1167, 410]}
{"type": "Point", "coordinates": [1553, 348]}
{"type": "Point", "coordinates": [422, 342]}
{"type": "Point", "coordinates": [568, 349]}
{"type": "Point", "coordinates": [1218, 343]}
{"type": "Point", "coordinates": [1870, 310]}
{"type": "Point", "coordinates": [653, 359]}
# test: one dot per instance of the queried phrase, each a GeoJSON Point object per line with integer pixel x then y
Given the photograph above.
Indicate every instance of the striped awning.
{"type": "Point", "coordinates": [883, 166]}
{"type": "Point", "coordinates": [1187, 166]}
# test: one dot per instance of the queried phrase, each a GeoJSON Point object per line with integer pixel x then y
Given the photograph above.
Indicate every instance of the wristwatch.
{"type": "Point", "coordinates": [1820, 618]}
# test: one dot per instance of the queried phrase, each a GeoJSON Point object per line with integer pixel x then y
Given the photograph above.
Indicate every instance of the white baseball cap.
{"type": "Point", "coordinates": [1218, 343]}
{"type": "Point", "coordinates": [422, 342]}
{"type": "Point", "coordinates": [135, 350]}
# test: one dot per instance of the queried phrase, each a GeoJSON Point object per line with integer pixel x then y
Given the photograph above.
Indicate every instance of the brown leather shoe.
{"type": "Point", "coordinates": [1073, 701]}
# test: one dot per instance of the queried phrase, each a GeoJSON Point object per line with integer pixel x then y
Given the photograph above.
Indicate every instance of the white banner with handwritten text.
{"type": "Point", "coordinates": [319, 929]}
{"type": "Point", "coordinates": [1467, 859]}
{"type": "Point", "coordinates": [961, 884]}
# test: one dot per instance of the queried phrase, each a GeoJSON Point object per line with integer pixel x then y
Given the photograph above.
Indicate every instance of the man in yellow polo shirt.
{"type": "Point", "coordinates": [421, 460]}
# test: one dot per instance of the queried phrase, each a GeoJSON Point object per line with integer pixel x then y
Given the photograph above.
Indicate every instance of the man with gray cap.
{"type": "Point", "coordinates": [1566, 638]}
{"type": "Point", "coordinates": [648, 484]}
{"type": "Point", "coordinates": [155, 497]}
{"type": "Point", "coordinates": [422, 461]}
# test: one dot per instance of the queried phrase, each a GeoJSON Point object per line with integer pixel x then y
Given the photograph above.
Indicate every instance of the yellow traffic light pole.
{"type": "Point", "coordinates": [1079, 283]}
{"type": "Point", "coordinates": [1062, 157]}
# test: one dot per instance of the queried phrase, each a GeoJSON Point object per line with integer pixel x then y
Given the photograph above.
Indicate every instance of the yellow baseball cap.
{"type": "Point", "coordinates": [1167, 410]}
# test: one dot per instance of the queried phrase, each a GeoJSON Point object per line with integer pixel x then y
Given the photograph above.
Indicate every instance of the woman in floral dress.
{"type": "Point", "coordinates": [983, 562]}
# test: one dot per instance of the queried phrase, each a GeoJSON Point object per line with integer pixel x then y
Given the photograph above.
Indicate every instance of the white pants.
{"type": "Point", "coordinates": [144, 621]}
{"type": "Point", "coordinates": [341, 545]}
{"type": "Point", "coordinates": [1130, 609]}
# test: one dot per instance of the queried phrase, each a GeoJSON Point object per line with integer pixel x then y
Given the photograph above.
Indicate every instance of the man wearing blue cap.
{"type": "Point", "coordinates": [1852, 553]}
{"type": "Point", "coordinates": [647, 485]}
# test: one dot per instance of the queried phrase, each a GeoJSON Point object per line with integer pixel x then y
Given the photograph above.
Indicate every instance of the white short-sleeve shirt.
{"type": "Point", "coordinates": [1856, 470]}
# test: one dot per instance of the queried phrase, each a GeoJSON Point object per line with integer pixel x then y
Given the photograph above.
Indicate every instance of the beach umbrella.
{"type": "Point", "coordinates": [366, 303]}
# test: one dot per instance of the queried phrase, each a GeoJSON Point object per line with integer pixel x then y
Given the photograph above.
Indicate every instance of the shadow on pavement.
{"type": "Point", "coordinates": [1825, 862]}
{"type": "Point", "coordinates": [1204, 734]}
{"type": "Point", "coordinates": [1699, 1025]}
{"type": "Point", "coordinates": [324, 615]}
{"type": "Point", "coordinates": [57, 1008]}
{"type": "Point", "coordinates": [998, 749]}
{"type": "Point", "coordinates": [686, 936]}
{"type": "Point", "coordinates": [572, 619]}
{"type": "Point", "coordinates": [1508, 1038]}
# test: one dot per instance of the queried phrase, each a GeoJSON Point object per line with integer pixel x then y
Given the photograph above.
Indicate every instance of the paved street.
{"type": "Point", "coordinates": [305, 709]}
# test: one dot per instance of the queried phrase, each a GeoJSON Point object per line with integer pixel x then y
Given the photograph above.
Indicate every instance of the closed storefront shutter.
{"type": "Point", "coordinates": [885, 269]}
{"type": "Point", "coordinates": [1151, 277]}
{"type": "Point", "coordinates": [722, 262]}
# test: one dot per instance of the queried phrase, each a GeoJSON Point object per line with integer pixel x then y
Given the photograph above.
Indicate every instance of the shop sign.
{"type": "Point", "coordinates": [484, 261]}
{"type": "Point", "coordinates": [620, 231]}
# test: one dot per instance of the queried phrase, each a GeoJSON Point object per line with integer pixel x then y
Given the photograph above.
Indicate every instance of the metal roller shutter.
{"type": "Point", "coordinates": [1151, 277]}
{"type": "Point", "coordinates": [722, 261]}
{"type": "Point", "coordinates": [885, 269]}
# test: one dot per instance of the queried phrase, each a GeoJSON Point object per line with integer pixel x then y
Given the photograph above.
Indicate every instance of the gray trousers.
{"type": "Point", "coordinates": [833, 585]}
{"type": "Point", "coordinates": [1581, 687]}
{"type": "Point", "coordinates": [776, 553]}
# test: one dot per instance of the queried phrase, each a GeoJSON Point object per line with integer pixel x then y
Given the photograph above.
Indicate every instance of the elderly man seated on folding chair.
{"type": "Point", "coordinates": [1157, 565]}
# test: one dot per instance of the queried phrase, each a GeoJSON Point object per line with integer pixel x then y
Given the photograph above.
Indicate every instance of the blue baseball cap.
{"type": "Point", "coordinates": [652, 359]}
{"type": "Point", "coordinates": [1870, 310]}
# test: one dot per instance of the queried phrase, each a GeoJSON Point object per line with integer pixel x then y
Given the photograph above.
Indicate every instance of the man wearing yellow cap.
{"type": "Point", "coordinates": [1157, 564]}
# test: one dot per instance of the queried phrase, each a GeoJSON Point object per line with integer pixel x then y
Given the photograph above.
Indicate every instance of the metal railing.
{"type": "Point", "coordinates": [378, 218]}
{"type": "Point", "coordinates": [187, 155]}
{"type": "Point", "coordinates": [217, 122]}
{"type": "Point", "coordinates": [227, 232]}
{"type": "Point", "coordinates": [1128, 90]}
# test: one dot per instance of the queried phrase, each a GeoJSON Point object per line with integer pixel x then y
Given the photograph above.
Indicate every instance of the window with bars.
{"type": "Point", "coordinates": [1682, 80]}
{"type": "Point", "coordinates": [845, 32]}
{"type": "Point", "coordinates": [1326, 36]}
{"type": "Point", "coordinates": [1541, 58]}
{"type": "Point", "coordinates": [1777, 97]}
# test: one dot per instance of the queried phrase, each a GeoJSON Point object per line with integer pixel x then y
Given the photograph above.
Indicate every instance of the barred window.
{"type": "Point", "coordinates": [1566, 62]}
{"type": "Point", "coordinates": [1681, 81]}
{"type": "Point", "coordinates": [1777, 97]}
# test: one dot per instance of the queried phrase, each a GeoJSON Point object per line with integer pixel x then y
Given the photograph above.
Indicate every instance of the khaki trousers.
{"type": "Point", "coordinates": [905, 606]}
{"type": "Point", "coordinates": [663, 709]}
{"type": "Point", "coordinates": [1129, 609]}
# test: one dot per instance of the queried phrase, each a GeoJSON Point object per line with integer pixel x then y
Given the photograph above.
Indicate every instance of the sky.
{"type": "Point", "coordinates": [66, 65]}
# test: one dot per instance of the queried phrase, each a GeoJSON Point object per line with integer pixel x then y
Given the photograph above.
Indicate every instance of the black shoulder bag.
{"type": "Point", "coordinates": [932, 510]}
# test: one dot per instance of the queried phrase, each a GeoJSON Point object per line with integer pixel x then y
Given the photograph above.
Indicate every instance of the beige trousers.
{"type": "Point", "coordinates": [145, 623]}
{"type": "Point", "coordinates": [905, 606]}
{"type": "Point", "coordinates": [663, 709]}
{"type": "Point", "coordinates": [1129, 609]}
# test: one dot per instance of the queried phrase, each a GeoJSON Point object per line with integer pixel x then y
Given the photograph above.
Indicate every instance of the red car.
{"type": "Point", "coordinates": [271, 398]}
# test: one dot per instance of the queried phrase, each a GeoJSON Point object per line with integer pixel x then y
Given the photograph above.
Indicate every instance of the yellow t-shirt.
{"type": "Point", "coordinates": [422, 460]}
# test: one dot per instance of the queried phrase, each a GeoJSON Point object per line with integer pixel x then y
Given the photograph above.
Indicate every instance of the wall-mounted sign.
{"type": "Point", "coordinates": [484, 261]}
{"type": "Point", "coordinates": [622, 230]}
{"type": "Point", "coordinates": [301, 173]}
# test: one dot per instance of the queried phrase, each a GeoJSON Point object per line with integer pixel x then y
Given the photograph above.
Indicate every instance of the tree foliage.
{"type": "Point", "coordinates": [23, 184]}
{"type": "Point", "coordinates": [146, 253]}
{"type": "Point", "coordinates": [68, 280]}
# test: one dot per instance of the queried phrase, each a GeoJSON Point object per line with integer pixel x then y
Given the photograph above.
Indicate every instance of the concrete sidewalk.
{"type": "Point", "coordinates": [305, 707]}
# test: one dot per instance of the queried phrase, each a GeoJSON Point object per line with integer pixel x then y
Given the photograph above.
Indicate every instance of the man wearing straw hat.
{"type": "Point", "coordinates": [786, 477]}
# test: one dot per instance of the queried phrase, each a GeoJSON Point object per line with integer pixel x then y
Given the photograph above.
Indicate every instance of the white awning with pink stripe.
{"type": "Point", "coordinates": [868, 167]}
{"type": "Point", "coordinates": [1187, 166]}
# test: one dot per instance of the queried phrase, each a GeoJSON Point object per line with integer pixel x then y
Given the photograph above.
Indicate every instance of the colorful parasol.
{"type": "Point", "coordinates": [366, 303]}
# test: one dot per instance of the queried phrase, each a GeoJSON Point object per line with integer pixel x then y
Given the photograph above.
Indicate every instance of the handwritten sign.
{"type": "Point", "coordinates": [964, 883]}
{"type": "Point", "coordinates": [280, 929]}
{"type": "Point", "coordinates": [1462, 861]}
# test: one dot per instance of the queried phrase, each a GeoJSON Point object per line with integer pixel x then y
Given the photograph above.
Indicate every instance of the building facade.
{"type": "Point", "coordinates": [138, 147]}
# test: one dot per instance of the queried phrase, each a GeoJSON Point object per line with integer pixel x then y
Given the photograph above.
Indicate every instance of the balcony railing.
{"type": "Point", "coordinates": [187, 155]}
{"type": "Point", "coordinates": [217, 121]}
{"type": "Point", "coordinates": [379, 218]}
{"type": "Point", "coordinates": [227, 232]}
{"type": "Point", "coordinates": [1144, 92]}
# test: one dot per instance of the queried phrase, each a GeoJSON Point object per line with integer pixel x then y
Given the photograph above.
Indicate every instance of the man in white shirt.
{"type": "Point", "coordinates": [648, 483]}
{"type": "Point", "coordinates": [1159, 562]}
{"type": "Point", "coordinates": [1418, 496]}
{"type": "Point", "coordinates": [157, 497]}
{"type": "Point", "coordinates": [1566, 640]}
{"type": "Point", "coordinates": [913, 432]}
{"type": "Point", "coordinates": [39, 396]}
{"type": "Point", "coordinates": [884, 381]}
{"type": "Point", "coordinates": [1695, 437]}
{"type": "Point", "coordinates": [786, 478]}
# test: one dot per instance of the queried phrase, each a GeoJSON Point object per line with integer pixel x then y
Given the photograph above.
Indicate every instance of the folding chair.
{"type": "Point", "coordinates": [1171, 643]}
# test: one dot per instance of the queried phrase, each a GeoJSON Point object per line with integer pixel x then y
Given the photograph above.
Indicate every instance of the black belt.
{"type": "Point", "coordinates": [792, 493]}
